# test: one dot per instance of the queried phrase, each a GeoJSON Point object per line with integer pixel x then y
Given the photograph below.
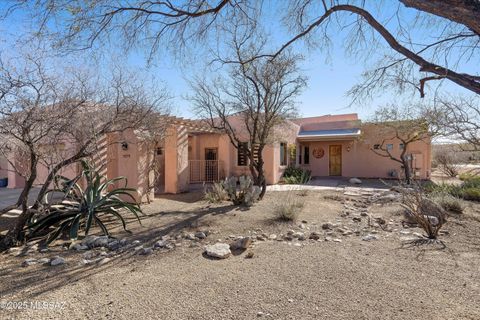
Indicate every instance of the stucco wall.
{"type": "Point", "coordinates": [362, 162]}
{"type": "Point", "coordinates": [3, 167]}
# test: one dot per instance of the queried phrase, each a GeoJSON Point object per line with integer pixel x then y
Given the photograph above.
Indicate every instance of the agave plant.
{"type": "Point", "coordinates": [81, 208]}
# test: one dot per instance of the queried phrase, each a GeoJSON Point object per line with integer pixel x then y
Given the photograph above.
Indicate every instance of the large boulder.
{"type": "Point", "coordinates": [218, 250]}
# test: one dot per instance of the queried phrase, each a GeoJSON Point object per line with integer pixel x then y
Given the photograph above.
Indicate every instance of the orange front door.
{"type": "Point", "coordinates": [335, 160]}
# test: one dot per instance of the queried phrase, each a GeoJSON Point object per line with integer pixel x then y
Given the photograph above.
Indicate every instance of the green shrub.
{"type": "Point", "coordinates": [471, 193]}
{"type": "Point", "coordinates": [85, 207]}
{"type": "Point", "coordinates": [293, 175]}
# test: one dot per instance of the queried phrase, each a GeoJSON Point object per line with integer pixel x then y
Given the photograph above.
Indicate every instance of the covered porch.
{"type": "Point", "coordinates": [193, 153]}
{"type": "Point", "coordinates": [328, 153]}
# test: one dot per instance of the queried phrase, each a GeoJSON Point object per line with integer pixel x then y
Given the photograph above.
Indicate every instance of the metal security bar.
{"type": "Point", "coordinates": [205, 170]}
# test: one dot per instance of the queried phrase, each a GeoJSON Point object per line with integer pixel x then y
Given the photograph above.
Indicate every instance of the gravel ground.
{"type": "Point", "coordinates": [351, 279]}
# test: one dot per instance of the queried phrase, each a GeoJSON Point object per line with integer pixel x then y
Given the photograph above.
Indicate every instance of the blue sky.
{"type": "Point", "coordinates": [328, 81]}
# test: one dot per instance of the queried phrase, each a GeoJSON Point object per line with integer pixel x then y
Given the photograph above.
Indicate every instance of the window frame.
{"type": "Point", "coordinates": [241, 150]}
{"type": "Point", "coordinates": [284, 156]}
{"type": "Point", "coordinates": [306, 155]}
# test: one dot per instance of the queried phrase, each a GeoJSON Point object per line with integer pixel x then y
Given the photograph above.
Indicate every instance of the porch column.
{"type": "Point", "coordinates": [176, 159]}
{"type": "Point", "coordinates": [224, 147]}
{"type": "Point", "coordinates": [297, 153]}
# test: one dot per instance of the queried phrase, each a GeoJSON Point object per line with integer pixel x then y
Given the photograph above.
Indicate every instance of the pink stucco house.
{"type": "Point", "coordinates": [191, 152]}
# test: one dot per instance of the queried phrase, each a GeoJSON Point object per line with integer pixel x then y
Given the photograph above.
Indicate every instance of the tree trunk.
{"type": "Point", "coordinates": [16, 234]}
{"type": "Point", "coordinates": [407, 170]}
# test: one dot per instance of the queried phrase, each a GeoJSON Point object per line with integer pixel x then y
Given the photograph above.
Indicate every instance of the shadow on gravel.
{"type": "Point", "coordinates": [35, 280]}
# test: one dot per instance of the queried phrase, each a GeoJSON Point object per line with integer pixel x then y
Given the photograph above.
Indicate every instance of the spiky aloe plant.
{"type": "Point", "coordinates": [86, 207]}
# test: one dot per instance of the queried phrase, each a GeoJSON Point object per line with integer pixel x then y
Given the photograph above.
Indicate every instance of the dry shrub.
{"type": "Point", "coordinates": [450, 203]}
{"type": "Point", "coordinates": [216, 194]}
{"type": "Point", "coordinates": [289, 208]}
{"type": "Point", "coordinates": [447, 162]}
{"type": "Point", "coordinates": [423, 212]}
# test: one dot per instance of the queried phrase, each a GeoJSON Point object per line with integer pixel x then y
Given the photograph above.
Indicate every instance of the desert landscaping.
{"type": "Point", "coordinates": [240, 159]}
{"type": "Point", "coordinates": [348, 256]}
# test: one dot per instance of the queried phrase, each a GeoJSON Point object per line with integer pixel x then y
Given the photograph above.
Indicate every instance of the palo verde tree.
{"type": "Point", "coordinates": [415, 41]}
{"type": "Point", "coordinates": [255, 97]}
{"type": "Point", "coordinates": [54, 119]}
{"type": "Point", "coordinates": [402, 127]}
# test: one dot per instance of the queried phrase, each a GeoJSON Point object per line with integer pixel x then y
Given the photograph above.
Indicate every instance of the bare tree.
{"type": "Point", "coordinates": [404, 126]}
{"type": "Point", "coordinates": [42, 110]}
{"type": "Point", "coordinates": [447, 161]}
{"type": "Point", "coordinates": [257, 96]}
{"type": "Point", "coordinates": [459, 119]}
{"type": "Point", "coordinates": [435, 45]}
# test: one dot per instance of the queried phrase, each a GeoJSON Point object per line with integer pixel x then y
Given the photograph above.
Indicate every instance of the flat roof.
{"type": "Point", "coordinates": [329, 134]}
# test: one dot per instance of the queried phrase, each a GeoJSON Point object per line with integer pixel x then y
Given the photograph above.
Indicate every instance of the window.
{"type": "Point", "coordinates": [283, 154]}
{"type": "Point", "coordinates": [389, 146]}
{"type": "Point", "coordinates": [159, 151]}
{"type": "Point", "coordinates": [242, 154]}
{"type": "Point", "coordinates": [401, 146]}
{"type": "Point", "coordinates": [376, 146]}
{"type": "Point", "coordinates": [306, 155]}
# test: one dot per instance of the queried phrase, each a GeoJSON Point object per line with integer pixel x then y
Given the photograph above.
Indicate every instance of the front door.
{"type": "Point", "coordinates": [211, 164]}
{"type": "Point", "coordinates": [335, 160]}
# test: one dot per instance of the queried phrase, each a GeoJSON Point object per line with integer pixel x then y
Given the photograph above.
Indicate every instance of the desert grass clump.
{"type": "Point", "coordinates": [289, 208]}
{"type": "Point", "coordinates": [450, 203]}
{"type": "Point", "coordinates": [216, 193]}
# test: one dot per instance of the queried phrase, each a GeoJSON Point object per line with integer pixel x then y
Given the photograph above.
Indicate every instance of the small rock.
{"type": "Point", "coordinates": [44, 260]}
{"type": "Point", "coordinates": [190, 236]}
{"type": "Point", "coordinates": [369, 237]}
{"type": "Point", "coordinates": [136, 242]}
{"type": "Point", "coordinates": [314, 236]}
{"type": "Point", "coordinates": [29, 262]}
{"type": "Point", "coordinates": [357, 219]}
{"type": "Point", "coordinates": [79, 247]}
{"type": "Point", "coordinates": [404, 232]}
{"type": "Point", "coordinates": [272, 237]}
{"type": "Point", "coordinates": [327, 226]}
{"type": "Point", "coordinates": [336, 240]}
{"type": "Point", "coordinates": [200, 235]}
{"type": "Point", "coordinates": [242, 243]}
{"type": "Point", "coordinates": [328, 239]}
{"type": "Point", "coordinates": [302, 226]}
{"type": "Point", "coordinates": [218, 250]}
{"type": "Point", "coordinates": [260, 237]}
{"type": "Point", "coordinates": [145, 251]}
{"type": "Point", "coordinates": [90, 255]}
{"type": "Point", "coordinates": [249, 255]}
{"type": "Point", "coordinates": [296, 244]}
{"type": "Point", "coordinates": [114, 245]}
{"type": "Point", "coordinates": [160, 244]}
{"type": "Point", "coordinates": [56, 261]}
{"type": "Point", "coordinates": [355, 181]}
{"type": "Point", "coordinates": [104, 261]}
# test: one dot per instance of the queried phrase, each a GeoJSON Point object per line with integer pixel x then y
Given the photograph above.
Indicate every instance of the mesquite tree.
{"type": "Point", "coordinates": [400, 125]}
{"type": "Point", "coordinates": [253, 97]}
{"type": "Point", "coordinates": [54, 119]}
{"type": "Point", "coordinates": [428, 39]}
